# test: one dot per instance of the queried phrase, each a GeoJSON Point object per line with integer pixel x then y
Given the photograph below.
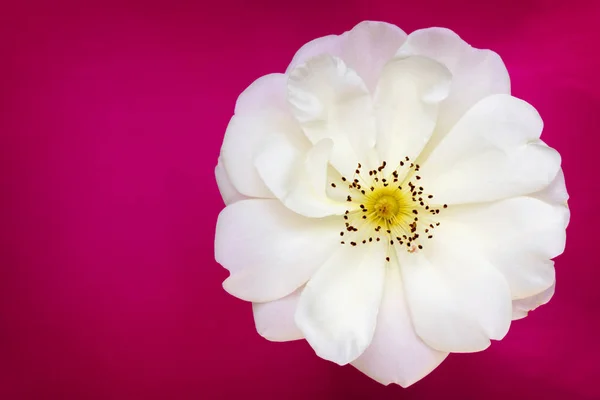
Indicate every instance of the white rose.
{"type": "Point", "coordinates": [389, 201]}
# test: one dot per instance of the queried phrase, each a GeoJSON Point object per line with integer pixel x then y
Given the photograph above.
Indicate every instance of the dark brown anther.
{"type": "Point", "coordinates": [420, 247]}
{"type": "Point", "coordinates": [333, 185]}
{"type": "Point", "coordinates": [343, 179]}
{"type": "Point", "coordinates": [348, 198]}
{"type": "Point", "coordinates": [387, 259]}
{"type": "Point", "coordinates": [353, 243]}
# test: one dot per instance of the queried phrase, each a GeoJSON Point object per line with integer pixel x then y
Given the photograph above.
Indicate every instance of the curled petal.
{"type": "Point", "coordinates": [330, 101]}
{"type": "Point", "coordinates": [261, 110]}
{"type": "Point", "coordinates": [366, 48]}
{"type": "Point", "coordinates": [298, 178]}
{"type": "Point", "coordinates": [406, 106]}
{"type": "Point", "coordinates": [476, 74]}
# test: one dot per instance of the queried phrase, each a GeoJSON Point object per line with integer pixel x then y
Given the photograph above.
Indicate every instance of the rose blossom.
{"type": "Point", "coordinates": [389, 201]}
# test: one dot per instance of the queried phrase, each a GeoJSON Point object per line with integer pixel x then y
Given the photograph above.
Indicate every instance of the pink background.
{"type": "Point", "coordinates": [111, 119]}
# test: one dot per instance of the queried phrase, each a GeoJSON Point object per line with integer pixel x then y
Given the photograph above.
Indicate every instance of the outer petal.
{"type": "Point", "coordinates": [457, 300]}
{"type": "Point", "coordinates": [261, 110]}
{"type": "Point", "coordinates": [369, 46]}
{"type": "Point", "coordinates": [555, 192]}
{"type": "Point", "coordinates": [330, 44]}
{"type": "Point", "coordinates": [275, 320]}
{"type": "Point", "coordinates": [269, 250]}
{"type": "Point", "coordinates": [298, 178]}
{"type": "Point", "coordinates": [493, 152]}
{"type": "Point", "coordinates": [406, 106]}
{"type": "Point", "coordinates": [396, 354]}
{"type": "Point", "coordinates": [366, 49]}
{"type": "Point", "coordinates": [522, 307]}
{"type": "Point", "coordinates": [331, 102]}
{"type": "Point", "coordinates": [228, 192]}
{"type": "Point", "coordinates": [338, 308]}
{"type": "Point", "coordinates": [519, 236]}
{"type": "Point", "coordinates": [476, 73]}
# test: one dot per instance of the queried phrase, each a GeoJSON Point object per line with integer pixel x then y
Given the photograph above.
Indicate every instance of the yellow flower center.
{"type": "Point", "coordinates": [390, 206]}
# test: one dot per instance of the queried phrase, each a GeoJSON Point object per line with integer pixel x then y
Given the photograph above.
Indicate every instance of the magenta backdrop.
{"type": "Point", "coordinates": [111, 119]}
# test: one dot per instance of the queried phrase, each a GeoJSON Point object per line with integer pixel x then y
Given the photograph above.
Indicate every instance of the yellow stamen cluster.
{"type": "Point", "coordinates": [388, 206]}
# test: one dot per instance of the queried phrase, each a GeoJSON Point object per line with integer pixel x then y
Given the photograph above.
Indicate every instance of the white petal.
{"type": "Point", "coordinates": [275, 320]}
{"type": "Point", "coordinates": [338, 308]}
{"type": "Point", "coordinates": [493, 152]}
{"type": "Point", "coordinates": [228, 192]}
{"type": "Point", "coordinates": [298, 179]}
{"type": "Point", "coordinates": [396, 354]}
{"type": "Point", "coordinates": [330, 101]}
{"type": "Point", "coordinates": [556, 191]}
{"type": "Point", "coordinates": [476, 73]}
{"type": "Point", "coordinates": [518, 236]}
{"type": "Point", "coordinates": [368, 47]}
{"type": "Point", "coordinates": [522, 307]}
{"type": "Point", "coordinates": [365, 48]}
{"type": "Point", "coordinates": [406, 106]}
{"type": "Point", "coordinates": [330, 44]}
{"type": "Point", "coordinates": [261, 110]}
{"type": "Point", "coordinates": [269, 250]}
{"type": "Point", "coordinates": [457, 300]}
